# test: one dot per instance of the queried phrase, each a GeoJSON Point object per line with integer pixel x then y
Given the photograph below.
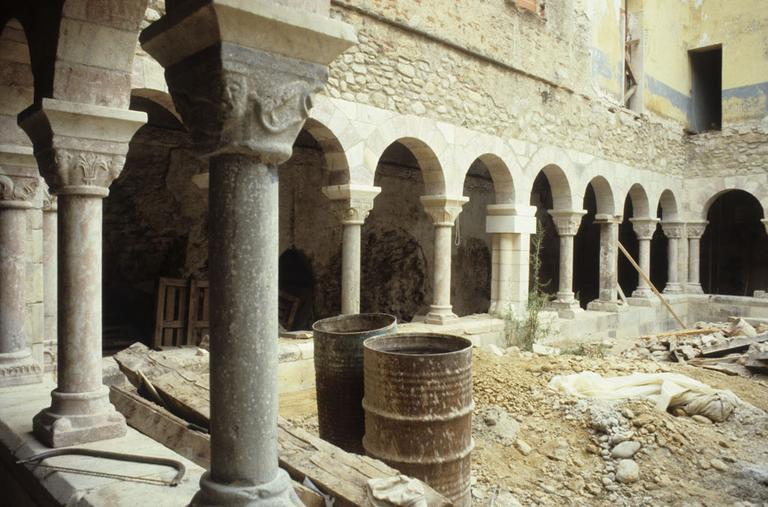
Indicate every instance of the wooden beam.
{"type": "Point", "coordinates": [650, 284]}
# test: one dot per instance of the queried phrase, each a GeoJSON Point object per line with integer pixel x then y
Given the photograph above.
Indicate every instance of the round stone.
{"type": "Point", "coordinates": [627, 472]}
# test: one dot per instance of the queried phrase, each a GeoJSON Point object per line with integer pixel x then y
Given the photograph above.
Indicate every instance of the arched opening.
{"type": "Point", "coordinates": [307, 223]}
{"type": "Point", "coordinates": [546, 237]}
{"type": "Point", "coordinates": [471, 265]}
{"type": "Point", "coordinates": [586, 253]}
{"type": "Point", "coordinates": [734, 247]}
{"type": "Point", "coordinates": [296, 291]}
{"type": "Point", "coordinates": [627, 237]}
{"type": "Point", "coordinates": [398, 238]}
{"type": "Point", "coordinates": [659, 254]}
{"type": "Point", "coordinates": [635, 207]}
{"type": "Point", "coordinates": [154, 226]}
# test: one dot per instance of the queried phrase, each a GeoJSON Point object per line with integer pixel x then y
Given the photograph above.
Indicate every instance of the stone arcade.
{"type": "Point", "coordinates": [364, 157]}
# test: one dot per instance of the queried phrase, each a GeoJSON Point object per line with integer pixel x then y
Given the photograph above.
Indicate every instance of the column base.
{"type": "Point", "coordinates": [78, 418]}
{"type": "Point", "coordinates": [694, 288]}
{"type": "Point", "coordinates": [276, 493]}
{"type": "Point", "coordinates": [640, 301]}
{"type": "Point", "coordinates": [642, 293]}
{"type": "Point", "coordinates": [19, 368]}
{"type": "Point", "coordinates": [439, 315]}
{"type": "Point", "coordinates": [566, 306]}
{"type": "Point", "coordinates": [606, 306]}
{"type": "Point", "coordinates": [673, 288]}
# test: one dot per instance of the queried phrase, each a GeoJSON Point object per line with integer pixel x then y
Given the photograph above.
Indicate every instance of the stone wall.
{"type": "Point", "coordinates": [399, 69]}
{"type": "Point", "coordinates": [733, 151]}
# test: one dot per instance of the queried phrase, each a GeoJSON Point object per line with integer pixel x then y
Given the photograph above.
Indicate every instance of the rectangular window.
{"type": "Point", "coordinates": [706, 89]}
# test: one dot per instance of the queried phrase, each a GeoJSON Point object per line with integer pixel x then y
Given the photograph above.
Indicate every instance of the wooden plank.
{"type": "Point", "coordinates": [175, 433]}
{"type": "Point", "coordinates": [733, 345]}
{"type": "Point", "coordinates": [687, 332]}
{"type": "Point", "coordinates": [338, 473]}
{"type": "Point", "coordinates": [170, 313]}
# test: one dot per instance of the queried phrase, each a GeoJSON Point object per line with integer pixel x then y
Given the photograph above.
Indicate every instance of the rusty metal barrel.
{"type": "Point", "coordinates": [418, 408]}
{"type": "Point", "coordinates": [339, 374]}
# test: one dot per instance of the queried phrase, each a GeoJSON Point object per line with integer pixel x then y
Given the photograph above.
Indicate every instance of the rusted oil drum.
{"type": "Point", "coordinates": [418, 408]}
{"type": "Point", "coordinates": [339, 374]}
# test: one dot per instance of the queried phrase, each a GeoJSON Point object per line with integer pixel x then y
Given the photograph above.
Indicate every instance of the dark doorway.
{"type": "Point", "coordinates": [734, 248]}
{"type": "Point", "coordinates": [627, 274]}
{"type": "Point", "coordinates": [586, 253]}
{"type": "Point", "coordinates": [296, 281]}
{"type": "Point", "coordinates": [659, 256]}
{"type": "Point", "coordinates": [706, 89]}
{"type": "Point", "coordinates": [549, 246]}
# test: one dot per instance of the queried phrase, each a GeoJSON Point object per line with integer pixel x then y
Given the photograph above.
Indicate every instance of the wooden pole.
{"type": "Point", "coordinates": [650, 284]}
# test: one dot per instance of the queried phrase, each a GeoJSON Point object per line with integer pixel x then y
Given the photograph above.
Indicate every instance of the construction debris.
{"type": "Point", "coordinates": [733, 348]}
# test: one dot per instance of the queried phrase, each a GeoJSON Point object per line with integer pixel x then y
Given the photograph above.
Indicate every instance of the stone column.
{"type": "Point", "coordinates": [80, 149]}
{"type": "Point", "coordinates": [644, 229]}
{"type": "Point", "coordinates": [511, 229]}
{"type": "Point", "coordinates": [609, 237]}
{"type": "Point", "coordinates": [18, 185]}
{"type": "Point", "coordinates": [244, 98]}
{"type": "Point", "coordinates": [443, 210]}
{"type": "Point", "coordinates": [50, 304]}
{"type": "Point", "coordinates": [351, 204]}
{"type": "Point", "coordinates": [567, 224]}
{"type": "Point", "coordinates": [673, 231]}
{"type": "Point", "coordinates": [695, 232]}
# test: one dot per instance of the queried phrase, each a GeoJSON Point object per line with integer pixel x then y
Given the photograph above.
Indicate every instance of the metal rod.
{"type": "Point", "coordinates": [94, 453]}
{"type": "Point", "coordinates": [650, 284]}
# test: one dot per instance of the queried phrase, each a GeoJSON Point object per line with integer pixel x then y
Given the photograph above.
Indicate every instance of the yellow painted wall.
{"type": "Point", "coordinates": [669, 29]}
{"type": "Point", "coordinates": [741, 27]}
{"type": "Point", "coordinates": [607, 45]}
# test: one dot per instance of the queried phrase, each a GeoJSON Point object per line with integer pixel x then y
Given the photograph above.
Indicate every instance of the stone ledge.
{"type": "Point", "coordinates": [20, 404]}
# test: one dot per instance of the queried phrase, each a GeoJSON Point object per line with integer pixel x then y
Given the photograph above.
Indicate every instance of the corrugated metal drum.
{"type": "Point", "coordinates": [339, 374]}
{"type": "Point", "coordinates": [418, 408]}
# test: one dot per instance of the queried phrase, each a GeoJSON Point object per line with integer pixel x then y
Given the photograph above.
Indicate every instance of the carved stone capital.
{"type": "Point", "coordinates": [49, 200]}
{"type": "Point", "coordinates": [80, 148]}
{"type": "Point", "coordinates": [351, 203]}
{"type": "Point", "coordinates": [243, 83]}
{"type": "Point", "coordinates": [567, 222]}
{"type": "Point", "coordinates": [644, 227]}
{"type": "Point", "coordinates": [695, 230]}
{"type": "Point", "coordinates": [19, 177]}
{"type": "Point", "coordinates": [672, 230]}
{"type": "Point", "coordinates": [443, 209]}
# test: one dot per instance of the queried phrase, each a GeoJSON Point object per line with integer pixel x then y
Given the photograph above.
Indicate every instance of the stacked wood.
{"type": "Point", "coordinates": [181, 384]}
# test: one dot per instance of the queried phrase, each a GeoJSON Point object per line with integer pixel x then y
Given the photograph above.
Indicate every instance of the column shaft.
{"type": "Point", "coordinates": [243, 253]}
{"type": "Point", "coordinates": [565, 291]}
{"type": "Point", "coordinates": [79, 316]}
{"type": "Point", "coordinates": [350, 269]}
{"type": "Point", "coordinates": [693, 261]}
{"type": "Point", "coordinates": [645, 263]}
{"type": "Point", "coordinates": [672, 282]}
{"type": "Point", "coordinates": [50, 281]}
{"type": "Point", "coordinates": [13, 233]}
{"type": "Point", "coordinates": [505, 272]}
{"type": "Point", "coordinates": [442, 284]}
{"type": "Point", "coordinates": [608, 261]}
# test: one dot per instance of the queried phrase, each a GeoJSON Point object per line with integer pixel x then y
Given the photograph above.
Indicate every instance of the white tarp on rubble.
{"type": "Point", "coordinates": [667, 390]}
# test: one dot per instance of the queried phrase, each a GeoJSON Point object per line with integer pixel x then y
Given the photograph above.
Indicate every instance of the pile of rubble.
{"type": "Point", "coordinates": [538, 446]}
{"type": "Point", "coordinates": [734, 348]}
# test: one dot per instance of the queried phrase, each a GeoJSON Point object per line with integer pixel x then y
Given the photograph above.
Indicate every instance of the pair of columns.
{"type": "Point", "coordinates": [352, 203]}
